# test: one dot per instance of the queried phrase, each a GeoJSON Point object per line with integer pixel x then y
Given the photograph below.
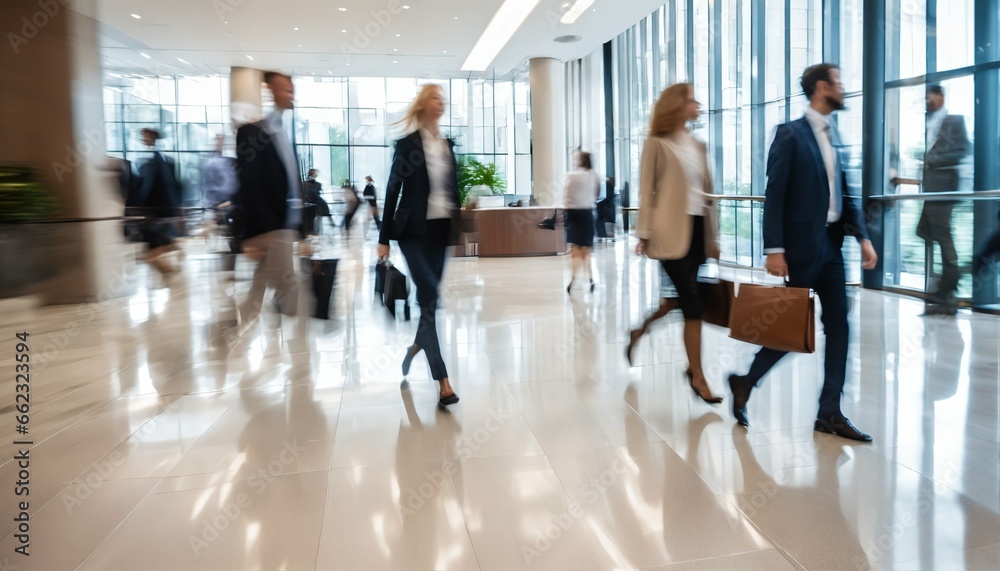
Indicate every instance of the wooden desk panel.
{"type": "Point", "coordinates": [506, 232]}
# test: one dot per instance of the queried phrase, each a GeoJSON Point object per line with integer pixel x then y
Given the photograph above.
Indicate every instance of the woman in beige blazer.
{"type": "Point", "coordinates": [677, 222]}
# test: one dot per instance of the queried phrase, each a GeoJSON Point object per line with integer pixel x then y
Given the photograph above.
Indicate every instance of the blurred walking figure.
{"type": "Point", "coordinates": [351, 204]}
{"type": "Point", "coordinates": [219, 183]}
{"type": "Point", "coordinates": [312, 191]}
{"type": "Point", "coordinates": [583, 186]}
{"type": "Point", "coordinates": [668, 302]}
{"type": "Point", "coordinates": [421, 214]}
{"type": "Point", "coordinates": [947, 144]}
{"type": "Point", "coordinates": [676, 214]}
{"type": "Point", "coordinates": [269, 202]}
{"type": "Point", "coordinates": [159, 197]}
{"type": "Point", "coordinates": [372, 199]}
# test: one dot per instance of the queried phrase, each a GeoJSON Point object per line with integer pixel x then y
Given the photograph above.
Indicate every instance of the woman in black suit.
{"type": "Point", "coordinates": [422, 215]}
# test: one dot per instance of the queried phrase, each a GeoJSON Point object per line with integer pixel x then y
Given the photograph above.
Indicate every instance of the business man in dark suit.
{"type": "Point", "coordinates": [269, 202]}
{"type": "Point", "coordinates": [947, 144]}
{"type": "Point", "coordinates": [422, 215]}
{"type": "Point", "coordinates": [807, 214]}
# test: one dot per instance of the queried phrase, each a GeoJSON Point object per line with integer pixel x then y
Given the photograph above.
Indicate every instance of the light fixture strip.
{"type": "Point", "coordinates": [577, 10]}
{"type": "Point", "coordinates": [500, 30]}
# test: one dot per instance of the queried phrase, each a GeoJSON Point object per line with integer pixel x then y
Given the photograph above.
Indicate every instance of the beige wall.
{"type": "Point", "coordinates": [52, 116]}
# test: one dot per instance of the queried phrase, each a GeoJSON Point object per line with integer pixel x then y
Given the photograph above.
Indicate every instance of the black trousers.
{"type": "Point", "coordinates": [425, 259]}
{"type": "Point", "coordinates": [935, 226]}
{"type": "Point", "coordinates": [684, 271]}
{"type": "Point", "coordinates": [827, 279]}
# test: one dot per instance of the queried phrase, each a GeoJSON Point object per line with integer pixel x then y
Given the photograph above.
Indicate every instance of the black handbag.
{"type": "Point", "coordinates": [550, 222]}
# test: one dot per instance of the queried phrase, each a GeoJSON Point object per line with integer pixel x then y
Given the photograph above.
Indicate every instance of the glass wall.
{"type": "Point", "coordinates": [344, 127]}
{"type": "Point", "coordinates": [933, 45]}
{"type": "Point", "coordinates": [745, 58]}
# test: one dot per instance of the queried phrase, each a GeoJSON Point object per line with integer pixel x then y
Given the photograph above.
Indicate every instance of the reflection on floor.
{"type": "Point", "coordinates": [162, 441]}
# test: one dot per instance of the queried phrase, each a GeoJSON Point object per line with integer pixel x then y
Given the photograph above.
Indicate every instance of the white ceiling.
{"type": "Point", "coordinates": [213, 35]}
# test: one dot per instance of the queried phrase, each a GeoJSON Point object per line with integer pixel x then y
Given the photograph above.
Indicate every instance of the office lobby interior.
{"type": "Point", "coordinates": [146, 425]}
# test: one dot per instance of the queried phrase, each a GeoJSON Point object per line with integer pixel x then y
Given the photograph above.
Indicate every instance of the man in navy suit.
{"type": "Point", "coordinates": [807, 214]}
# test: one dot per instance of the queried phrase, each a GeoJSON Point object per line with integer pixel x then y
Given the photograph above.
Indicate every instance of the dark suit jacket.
{"type": "Point", "coordinates": [798, 197]}
{"type": "Point", "coordinates": [409, 187]}
{"type": "Point", "coordinates": [261, 203]}
{"type": "Point", "coordinates": [942, 159]}
{"type": "Point", "coordinates": [159, 191]}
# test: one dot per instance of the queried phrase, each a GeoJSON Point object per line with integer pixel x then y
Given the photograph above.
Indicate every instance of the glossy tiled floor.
{"type": "Point", "coordinates": [162, 442]}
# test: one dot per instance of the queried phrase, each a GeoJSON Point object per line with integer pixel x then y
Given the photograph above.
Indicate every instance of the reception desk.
{"type": "Point", "coordinates": [507, 232]}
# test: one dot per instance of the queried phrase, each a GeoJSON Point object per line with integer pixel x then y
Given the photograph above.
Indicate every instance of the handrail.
{"type": "Point", "coordinates": [939, 196]}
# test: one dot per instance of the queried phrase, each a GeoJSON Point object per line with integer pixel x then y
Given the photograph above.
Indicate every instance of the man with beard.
{"type": "Point", "coordinates": [807, 215]}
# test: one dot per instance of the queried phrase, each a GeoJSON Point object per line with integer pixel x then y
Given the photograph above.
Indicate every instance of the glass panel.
{"type": "Point", "coordinates": [910, 32]}
{"type": "Point", "coordinates": [774, 51]}
{"type": "Point", "coordinates": [806, 38]}
{"type": "Point", "coordinates": [955, 34]}
{"type": "Point", "coordinates": [851, 44]}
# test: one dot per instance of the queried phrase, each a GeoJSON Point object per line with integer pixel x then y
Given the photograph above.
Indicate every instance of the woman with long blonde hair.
{"type": "Point", "coordinates": [677, 223]}
{"type": "Point", "coordinates": [422, 214]}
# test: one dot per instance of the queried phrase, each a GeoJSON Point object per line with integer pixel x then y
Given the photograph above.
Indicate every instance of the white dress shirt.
{"type": "Point", "coordinates": [934, 121]}
{"type": "Point", "coordinates": [581, 190]}
{"type": "Point", "coordinates": [277, 132]}
{"type": "Point", "coordinates": [437, 157]}
{"type": "Point", "coordinates": [689, 152]}
{"type": "Point", "coordinates": [821, 129]}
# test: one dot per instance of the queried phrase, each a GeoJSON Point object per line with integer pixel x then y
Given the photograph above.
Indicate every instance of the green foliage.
{"type": "Point", "coordinates": [23, 198]}
{"type": "Point", "coordinates": [472, 173]}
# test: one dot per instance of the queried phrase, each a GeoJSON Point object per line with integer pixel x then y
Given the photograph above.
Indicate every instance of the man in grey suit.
{"type": "Point", "coordinates": [947, 144]}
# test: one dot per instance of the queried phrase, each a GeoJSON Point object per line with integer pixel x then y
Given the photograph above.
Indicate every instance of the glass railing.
{"type": "Point", "coordinates": [931, 242]}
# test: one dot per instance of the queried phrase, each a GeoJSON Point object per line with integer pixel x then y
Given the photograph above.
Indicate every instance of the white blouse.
{"type": "Point", "coordinates": [692, 159]}
{"type": "Point", "coordinates": [581, 190]}
{"type": "Point", "coordinates": [438, 160]}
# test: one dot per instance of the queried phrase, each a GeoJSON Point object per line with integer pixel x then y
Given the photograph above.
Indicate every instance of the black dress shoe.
{"type": "Point", "coordinates": [841, 427]}
{"type": "Point", "coordinates": [741, 394]}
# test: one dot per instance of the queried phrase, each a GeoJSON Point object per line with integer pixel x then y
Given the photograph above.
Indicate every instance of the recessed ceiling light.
{"type": "Point", "coordinates": [182, 61]}
{"type": "Point", "coordinates": [444, 51]}
{"type": "Point", "coordinates": [507, 19]}
{"type": "Point", "coordinates": [226, 22]}
{"type": "Point", "coordinates": [145, 55]}
{"type": "Point", "coordinates": [397, 35]}
{"type": "Point", "coordinates": [329, 71]}
{"type": "Point", "coordinates": [406, 7]}
{"type": "Point", "coordinates": [394, 61]}
{"type": "Point", "coordinates": [136, 16]}
{"type": "Point", "coordinates": [296, 29]}
{"type": "Point", "coordinates": [343, 31]}
{"type": "Point", "coordinates": [300, 45]}
{"type": "Point", "coordinates": [395, 49]}
{"type": "Point", "coordinates": [579, 7]}
{"type": "Point", "coordinates": [456, 17]}
{"type": "Point", "coordinates": [342, 9]}
{"type": "Point", "coordinates": [250, 58]}
{"type": "Point", "coordinates": [348, 64]}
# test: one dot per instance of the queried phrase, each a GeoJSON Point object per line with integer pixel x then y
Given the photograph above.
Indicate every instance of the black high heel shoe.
{"type": "Point", "coordinates": [408, 359]}
{"type": "Point", "coordinates": [712, 400]}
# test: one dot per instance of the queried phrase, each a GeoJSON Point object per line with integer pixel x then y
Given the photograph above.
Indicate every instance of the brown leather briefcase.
{"type": "Point", "coordinates": [781, 318]}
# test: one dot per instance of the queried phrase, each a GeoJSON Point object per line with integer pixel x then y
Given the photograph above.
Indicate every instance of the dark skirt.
{"type": "Point", "coordinates": [580, 227]}
{"type": "Point", "coordinates": [684, 271]}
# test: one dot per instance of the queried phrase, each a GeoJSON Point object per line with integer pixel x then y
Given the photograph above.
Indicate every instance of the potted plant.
{"type": "Point", "coordinates": [478, 179]}
{"type": "Point", "coordinates": [24, 201]}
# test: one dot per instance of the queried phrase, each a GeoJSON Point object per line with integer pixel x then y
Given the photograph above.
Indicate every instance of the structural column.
{"type": "Point", "coordinates": [51, 109]}
{"type": "Point", "coordinates": [548, 130]}
{"type": "Point", "coordinates": [245, 95]}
